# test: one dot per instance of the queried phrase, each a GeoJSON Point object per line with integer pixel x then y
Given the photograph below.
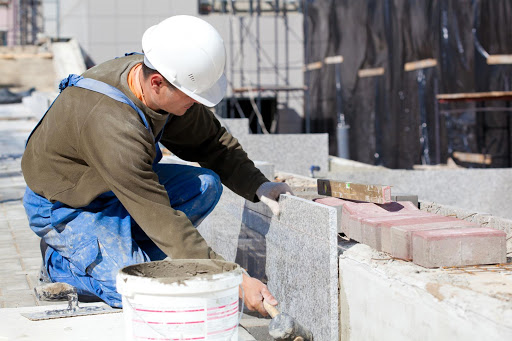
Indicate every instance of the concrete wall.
{"type": "Point", "coordinates": [294, 153]}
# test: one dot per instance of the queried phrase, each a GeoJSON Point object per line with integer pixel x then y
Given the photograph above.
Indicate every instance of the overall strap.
{"type": "Point", "coordinates": [105, 89]}
{"type": "Point", "coordinates": [102, 88]}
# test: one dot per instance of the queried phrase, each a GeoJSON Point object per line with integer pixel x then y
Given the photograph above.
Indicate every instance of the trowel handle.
{"type": "Point", "coordinates": [273, 312]}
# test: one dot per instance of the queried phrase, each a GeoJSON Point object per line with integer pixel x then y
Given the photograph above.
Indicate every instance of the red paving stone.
{"type": "Point", "coordinates": [401, 235]}
{"type": "Point", "coordinates": [391, 228]}
{"type": "Point", "coordinates": [459, 247]}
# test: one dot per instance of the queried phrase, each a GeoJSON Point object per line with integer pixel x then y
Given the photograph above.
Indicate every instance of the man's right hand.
{"type": "Point", "coordinates": [254, 294]}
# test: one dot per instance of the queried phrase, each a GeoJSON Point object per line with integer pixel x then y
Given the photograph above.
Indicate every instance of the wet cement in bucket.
{"type": "Point", "coordinates": [179, 270]}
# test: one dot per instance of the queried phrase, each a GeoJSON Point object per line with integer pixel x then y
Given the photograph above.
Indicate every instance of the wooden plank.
{"type": "Point", "coordinates": [379, 71]}
{"type": "Point", "coordinates": [420, 64]}
{"type": "Point", "coordinates": [46, 55]}
{"type": "Point", "coordinates": [346, 190]}
{"type": "Point", "coordinates": [474, 96]}
{"type": "Point", "coordinates": [333, 60]}
{"type": "Point", "coordinates": [485, 159]}
{"type": "Point", "coordinates": [499, 59]}
{"type": "Point", "coordinates": [313, 66]}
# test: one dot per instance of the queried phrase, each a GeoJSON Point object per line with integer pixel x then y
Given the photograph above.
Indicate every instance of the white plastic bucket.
{"type": "Point", "coordinates": [158, 305]}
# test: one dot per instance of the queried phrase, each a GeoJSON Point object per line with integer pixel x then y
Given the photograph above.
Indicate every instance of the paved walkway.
{"type": "Point", "coordinates": [20, 257]}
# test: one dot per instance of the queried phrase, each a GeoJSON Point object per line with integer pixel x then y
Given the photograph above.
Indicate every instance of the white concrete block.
{"type": "Point", "coordinates": [395, 300]}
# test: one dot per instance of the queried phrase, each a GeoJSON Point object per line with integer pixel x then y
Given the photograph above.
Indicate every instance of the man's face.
{"type": "Point", "coordinates": [174, 101]}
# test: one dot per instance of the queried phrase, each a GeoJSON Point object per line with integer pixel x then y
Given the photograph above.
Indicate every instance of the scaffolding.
{"type": "Point", "coordinates": [27, 21]}
{"type": "Point", "coordinates": [243, 15]}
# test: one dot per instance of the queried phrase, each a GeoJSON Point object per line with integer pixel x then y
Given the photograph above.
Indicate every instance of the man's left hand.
{"type": "Point", "coordinates": [269, 193]}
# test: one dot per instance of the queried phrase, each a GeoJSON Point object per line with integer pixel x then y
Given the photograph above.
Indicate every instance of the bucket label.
{"type": "Point", "coordinates": [189, 318]}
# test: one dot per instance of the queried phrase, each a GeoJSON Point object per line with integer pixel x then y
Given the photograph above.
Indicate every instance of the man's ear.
{"type": "Point", "coordinates": [157, 82]}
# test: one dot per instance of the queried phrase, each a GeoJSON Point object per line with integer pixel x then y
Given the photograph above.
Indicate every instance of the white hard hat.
{"type": "Point", "coordinates": [190, 54]}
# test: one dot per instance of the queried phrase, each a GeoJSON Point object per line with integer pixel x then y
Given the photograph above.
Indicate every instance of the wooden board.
{"type": "Point", "coordinates": [485, 159]}
{"type": "Point", "coordinates": [346, 190]}
{"type": "Point", "coordinates": [420, 64]}
{"type": "Point", "coordinates": [474, 96]}
{"type": "Point", "coordinates": [46, 55]}
{"type": "Point", "coordinates": [313, 66]}
{"type": "Point", "coordinates": [333, 60]}
{"type": "Point", "coordinates": [499, 59]}
{"type": "Point", "coordinates": [379, 71]}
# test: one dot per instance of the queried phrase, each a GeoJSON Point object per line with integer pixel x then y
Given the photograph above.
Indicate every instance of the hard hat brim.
{"type": "Point", "coordinates": [212, 96]}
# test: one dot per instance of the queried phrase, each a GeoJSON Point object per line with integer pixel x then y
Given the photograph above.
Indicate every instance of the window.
{"type": "Point", "coordinates": [3, 38]}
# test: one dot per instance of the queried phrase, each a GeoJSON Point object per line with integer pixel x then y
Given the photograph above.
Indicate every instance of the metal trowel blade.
{"type": "Point", "coordinates": [63, 313]}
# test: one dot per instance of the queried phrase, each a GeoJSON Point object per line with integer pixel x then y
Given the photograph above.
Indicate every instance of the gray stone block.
{"type": "Point", "coordinates": [294, 153]}
{"type": "Point", "coordinates": [299, 250]}
{"type": "Point", "coordinates": [222, 227]}
{"type": "Point", "coordinates": [39, 102]}
{"type": "Point", "coordinates": [266, 168]}
{"type": "Point", "coordinates": [405, 197]}
{"type": "Point", "coordinates": [256, 221]}
{"type": "Point", "coordinates": [238, 127]}
{"type": "Point", "coordinates": [302, 266]}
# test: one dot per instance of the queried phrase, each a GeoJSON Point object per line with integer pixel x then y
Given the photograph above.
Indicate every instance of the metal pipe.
{"type": "Point", "coordinates": [35, 26]}
{"type": "Point", "coordinates": [342, 131]}
{"type": "Point", "coordinates": [437, 123]}
{"type": "Point", "coordinates": [58, 19]}
{"type": "Point", "coordinates": [377, 122]}
{"type": "Point", "coordinates": [307, 72]}
{"type": "Point", "coordinates": [258, 62]}
{"type": "Point", "coordinates": [276, 45]}
{"type": "Point", "coordinates": [231, 113]}
{"type": "Point", "coordinates": [242, 51]}
{"type": "Point", "coordinates": [286, 53]}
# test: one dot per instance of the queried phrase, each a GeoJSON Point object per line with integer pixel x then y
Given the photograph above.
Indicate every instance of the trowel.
{"type": "Point", "coordinates": [59, 291]}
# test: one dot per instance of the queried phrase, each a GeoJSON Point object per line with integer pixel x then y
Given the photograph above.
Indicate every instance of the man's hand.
{"type": "Point", "coordinates": [255, 291]}
{"type": "Point", "coordinates": [269, 193]}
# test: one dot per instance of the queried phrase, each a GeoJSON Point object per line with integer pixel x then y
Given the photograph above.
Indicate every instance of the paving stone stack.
{"type": "Point", "coordinates": [429, 240]}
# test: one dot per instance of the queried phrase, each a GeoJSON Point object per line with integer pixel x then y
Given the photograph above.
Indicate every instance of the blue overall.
{"type": "Point", "coordinates": [88, 245]}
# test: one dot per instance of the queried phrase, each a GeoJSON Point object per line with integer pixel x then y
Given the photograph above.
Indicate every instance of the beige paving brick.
{"type": "Point", "coordinates": [21, 298]}
{"type": "Point", "coordinates": [14, 282]}
{"type": "Point", "coordinates": [9, 257]}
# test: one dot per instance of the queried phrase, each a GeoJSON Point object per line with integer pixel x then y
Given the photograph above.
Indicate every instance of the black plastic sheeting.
{"type": "Point", "coordinates": [392, 117]}
{"type": "Point", "coordinates": [9, 97]}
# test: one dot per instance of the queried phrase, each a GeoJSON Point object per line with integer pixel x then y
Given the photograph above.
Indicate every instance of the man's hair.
{"type": "Point", "coordinates": [148, 72]}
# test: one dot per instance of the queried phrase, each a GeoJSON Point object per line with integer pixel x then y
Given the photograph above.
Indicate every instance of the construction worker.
{"type": "Point", "coordinates": [97, 195]}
